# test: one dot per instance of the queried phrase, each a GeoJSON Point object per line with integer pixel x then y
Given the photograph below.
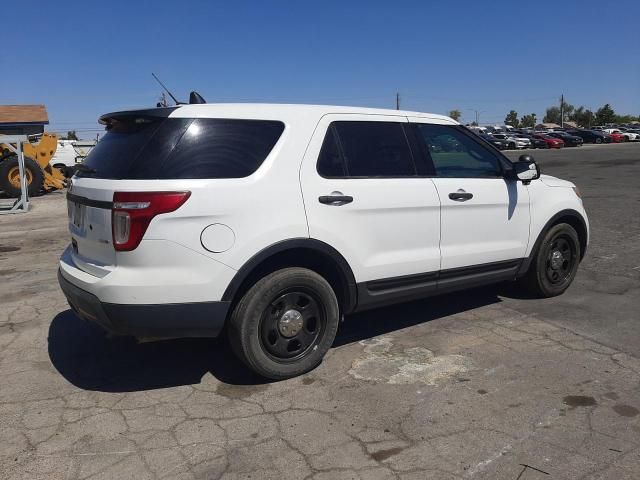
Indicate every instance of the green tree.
{"type": "Point", "coordinates": [512, 119]}
{"type": "Point", "coordinates": [605, 114]}
{"type": "Point", "coordinates": [625, 119]}
{"type": "Point", "coordinates": [528, 121]}
{"type": "Point", "coordinates": [567, 111]}
{"type": "Point", "coordinates": [455, 114]}
{"type": "Point", "coordinates": [71, 135]}
{"type": "Point", "coordinates": [552, 115]}
{"type": "Point", "coordinates": [582, 116]}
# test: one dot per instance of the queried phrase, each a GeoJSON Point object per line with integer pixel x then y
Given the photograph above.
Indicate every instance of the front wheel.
{"type": "Point", "coordinates": [555, 264]}
{"type": "Point", "coordinates": [285, 324]}
{"type": "Point", "coordinates": [598, 140]}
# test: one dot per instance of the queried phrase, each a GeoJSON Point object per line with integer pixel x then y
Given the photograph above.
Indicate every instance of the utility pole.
{"type": "Point", "coordinates": [562, 110]}
{"type": "Point", "coordinates": [397, 100]}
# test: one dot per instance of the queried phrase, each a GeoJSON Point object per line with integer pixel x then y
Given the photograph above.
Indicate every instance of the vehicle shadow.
{"type": "Point", "coordinates": [89, 359]}
{"type": "Point", "coordinates": [92, 360]}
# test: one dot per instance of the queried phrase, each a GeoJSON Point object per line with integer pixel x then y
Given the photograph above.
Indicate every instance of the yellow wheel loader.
{"type": "Point", "coordinates": [41, 177]}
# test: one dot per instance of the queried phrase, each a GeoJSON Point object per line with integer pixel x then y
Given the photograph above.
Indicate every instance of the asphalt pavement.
{"type": "Point", "coordinates": [482, 384]}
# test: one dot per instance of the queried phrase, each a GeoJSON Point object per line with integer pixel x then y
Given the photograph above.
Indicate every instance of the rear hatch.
{"type": "Point", "coordinates": [147, 151]}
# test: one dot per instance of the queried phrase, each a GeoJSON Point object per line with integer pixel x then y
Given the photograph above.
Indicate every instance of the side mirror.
{"type": "Point", "coordinates": [526, 169]}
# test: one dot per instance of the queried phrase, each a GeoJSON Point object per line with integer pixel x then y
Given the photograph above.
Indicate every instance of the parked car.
{"type": "Point", "coordinates": [568, 139]}
{"type": "Point", "coordinates": [537, 142]}
{"type": "Point", "coordinates": [591, 136]}
{"type": "Point", "coordinates": [616, 137]}
{"type": "Point", "coordinates": [551, 142]}
{"type": "Point", "coordinates": [271, 222]}
{"type": "Point", "coordinates": [496, 142]}
{"type": "Point", "coordinates": [514, 141]}
{"type": "Point", "coordinates": [627, 135]}
{"type": "Point", "coordinates": [524, 138]}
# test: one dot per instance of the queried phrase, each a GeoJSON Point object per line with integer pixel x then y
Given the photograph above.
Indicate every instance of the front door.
{"type": "Point", "coordinates": [485, 217]}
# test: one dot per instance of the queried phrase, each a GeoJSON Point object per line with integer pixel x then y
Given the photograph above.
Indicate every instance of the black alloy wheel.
{"type": "Point", "coordinates": [561, 257]}
{"type": "Point", "coordinates": [292, 324]}
{"type": "Point", "coordinates": [555, 263]}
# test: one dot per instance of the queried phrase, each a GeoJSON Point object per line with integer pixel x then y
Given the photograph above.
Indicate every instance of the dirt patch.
{"type": "Point", "coordinates": [381, 362]}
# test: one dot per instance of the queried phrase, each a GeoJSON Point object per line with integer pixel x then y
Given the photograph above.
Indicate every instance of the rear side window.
{"type": "Point", "coordinates": [366, 149]}
{"type": "Point", "coordinates": [178, 148]}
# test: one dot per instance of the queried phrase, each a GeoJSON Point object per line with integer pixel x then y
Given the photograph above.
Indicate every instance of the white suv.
{"type": "Point", "coordinates": [272, 222]}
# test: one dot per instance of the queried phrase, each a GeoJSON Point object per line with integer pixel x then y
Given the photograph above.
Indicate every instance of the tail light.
{"type": "Point", "coordinates": [133, 211]}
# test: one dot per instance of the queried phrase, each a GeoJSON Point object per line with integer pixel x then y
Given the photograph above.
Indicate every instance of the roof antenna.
{"type": "Point", "coordinates": [167, 90]}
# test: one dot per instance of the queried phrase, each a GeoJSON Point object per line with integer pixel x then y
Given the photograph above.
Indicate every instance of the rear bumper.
{"type": "Point", "coordinates": [200, 319]}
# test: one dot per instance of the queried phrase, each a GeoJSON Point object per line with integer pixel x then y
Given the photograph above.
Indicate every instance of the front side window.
{"type": "Point", "coordinates": [455, 154]}
{"type": "Point", "coordinates": [366, 149]}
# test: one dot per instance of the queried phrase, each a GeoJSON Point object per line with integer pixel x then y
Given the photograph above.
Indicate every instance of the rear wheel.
{"type": "Point", "coordinates": [555, 263]}
{"type": "Point", "coordinates": [10, 176]}
{"type": "Point", "coordinates": [285, 324]}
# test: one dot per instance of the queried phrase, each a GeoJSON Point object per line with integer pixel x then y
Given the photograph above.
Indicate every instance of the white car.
{"type": "Point", "coordinates": [70, 153]}
{"type": "Point", "coordinates": [274, 221]}
{"type": "Point", "coordinates": [516, 142]}
{"type": "Point", "coordinates": [628, 136]}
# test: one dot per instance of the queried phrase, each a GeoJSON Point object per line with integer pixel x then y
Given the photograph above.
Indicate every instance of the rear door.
{"type": "Point", "coordinates": [366, 196]}
{"type": "Point", "coordinates": [485, 217]}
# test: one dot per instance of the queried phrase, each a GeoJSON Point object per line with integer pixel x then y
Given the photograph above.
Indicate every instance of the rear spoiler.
{"type": "Point", "coordinates": [109, 118]}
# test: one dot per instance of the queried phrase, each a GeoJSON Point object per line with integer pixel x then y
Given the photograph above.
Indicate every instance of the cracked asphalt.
{"type": "Point", "coordinates": [485, 384]}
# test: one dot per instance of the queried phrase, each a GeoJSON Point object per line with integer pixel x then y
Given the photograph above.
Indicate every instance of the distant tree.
{"type": "Point", "coordinates": [582, 116]}
{"type": "Point", "coordinates": [528, 121]}
{"type": "Point", "coordinates": [552, 115]}
{"type": "Point", "coordinates": [567, 111]}
{"type": "Point", "coordinates": [625, 118]}
{"type": "Point", "coordinates": [71, 135]}
{"type": "Point", "coordinates": [455, 114]}
{"type": "Point", "coordinates": [512, 119]}
{"type": "Point", "coordinates": [605, 114]}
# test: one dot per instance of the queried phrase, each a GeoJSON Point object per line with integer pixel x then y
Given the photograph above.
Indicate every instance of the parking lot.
{"type": "Point", "coordinates": [481, 384]}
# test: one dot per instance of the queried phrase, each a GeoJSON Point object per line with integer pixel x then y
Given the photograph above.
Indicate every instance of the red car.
{"type": "Point", "coordinates": [551, 142]}
{"type": "Point", "coordinates": [616, 137]}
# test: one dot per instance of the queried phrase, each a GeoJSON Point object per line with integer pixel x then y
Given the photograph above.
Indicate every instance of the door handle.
{"type": "Point", "coordinates": [460, 196]}
{"type": "Point", "coordinates": [335, 199]}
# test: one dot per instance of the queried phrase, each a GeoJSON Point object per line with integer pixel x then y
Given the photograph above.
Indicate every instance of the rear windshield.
{"type": "Point", "coordinates": [175, 148]}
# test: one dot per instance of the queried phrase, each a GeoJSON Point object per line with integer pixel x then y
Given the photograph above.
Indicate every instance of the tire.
{"type": "Point", "coordinates": [9, 176]}
{"type": "Point", "coordinates": [551, 274]}
{"type": "Point", "coordinates": [257, 329]}
{"type": "Point", "coordinates": [597, 140]}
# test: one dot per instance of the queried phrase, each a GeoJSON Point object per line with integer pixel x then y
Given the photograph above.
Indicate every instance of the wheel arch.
{"type": "Point", "coordinates": [569, 216]}
{"type": "Point", "coordinates": [300, 252]}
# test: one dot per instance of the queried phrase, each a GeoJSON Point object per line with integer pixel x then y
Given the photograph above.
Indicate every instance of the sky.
{"type": "Point", "coordinates": [85, 58]}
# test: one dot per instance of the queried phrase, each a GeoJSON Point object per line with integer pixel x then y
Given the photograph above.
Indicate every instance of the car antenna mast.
{"type": "Point", "coordinates": [166, 89]}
